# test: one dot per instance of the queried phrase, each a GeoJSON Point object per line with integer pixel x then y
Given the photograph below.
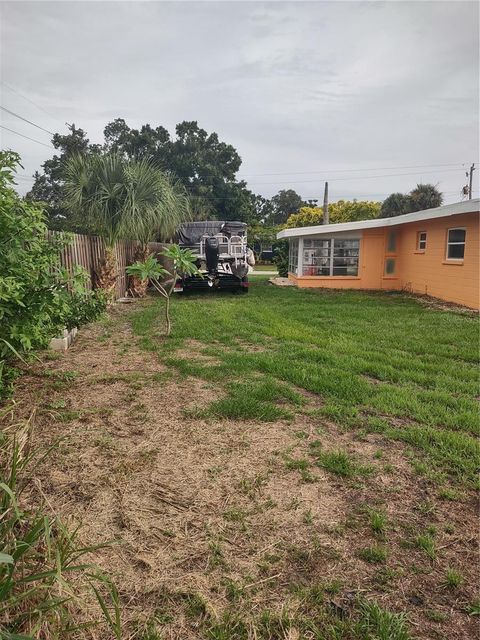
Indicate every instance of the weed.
{"type": "Point", "coordinates": [342, 464]}
{"type": "Point", "coordinates": [453, 579]}
{"type": "Point", "coordinates": [426, 507]}
{"type": "Point", "coordinates": [307, 476]}
{"type": "Point", "coordinates": [216, 558]}
{"type": "Point", "coordinates": [435, 616]}
{"type": "Point", "coordinates": [300, 464]}
{"type": "Point", "coordinates": [426, 543]}
{"type": "Point", "coordinates": [381, 624]}
{"type": "Point", "coordinates": [374, 555]}
{"type": "Point", "coordinates": [378, 521]}
{"type": "Point", "coordinates": [474, 608]}
{"type": "Point", "coordinates": [195, 606]}
{"type": "Point", "coordinates": [234, 515]}
{"type": "Point", "coordinates": [308, 517]}
{"type": "Point", "coordinates": [333, 587]}
{"type": "Point", "coordinates": [447, 493]}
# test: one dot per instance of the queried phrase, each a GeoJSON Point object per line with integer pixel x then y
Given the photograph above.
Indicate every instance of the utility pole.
{"type": "Point", "coordinates": [326, 217]}
{"type": "Point", "coordinates": [472, 169]}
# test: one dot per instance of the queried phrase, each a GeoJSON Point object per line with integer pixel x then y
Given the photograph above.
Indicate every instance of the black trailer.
{"type": "Point", "coordinates": [222, 255]}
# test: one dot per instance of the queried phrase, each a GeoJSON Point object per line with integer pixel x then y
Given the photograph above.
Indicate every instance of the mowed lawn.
{"type": "Point", "coordinates": [288, 465]}
{"type": "Point", "coordinates": [380, 363]}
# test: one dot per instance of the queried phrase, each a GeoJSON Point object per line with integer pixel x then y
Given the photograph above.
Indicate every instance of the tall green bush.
{"type": "Point", "coordinates": [37, 297]}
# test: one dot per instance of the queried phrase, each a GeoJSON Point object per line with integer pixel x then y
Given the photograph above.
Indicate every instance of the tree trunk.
{"type": "Point", "coordinates": [136, 286]}
{"type": "Point", "coordinates": [107, 276]}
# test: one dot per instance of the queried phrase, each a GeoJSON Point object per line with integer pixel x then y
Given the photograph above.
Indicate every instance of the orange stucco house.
{"type": "Point", "coordinates": [433, 252]}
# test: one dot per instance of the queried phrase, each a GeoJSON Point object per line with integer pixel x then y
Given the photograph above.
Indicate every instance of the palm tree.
{"type": "Point", "coordinates": [395, 205]}
{"type": "Point", "coordinates": [425, 196]}
{"type": "Point", "coordinates": [124, 199]}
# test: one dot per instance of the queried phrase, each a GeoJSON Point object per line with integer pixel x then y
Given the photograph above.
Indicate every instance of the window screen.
{"type": "Point", "coordinates": [389, 266]}
{"type": "Point", "coordinates": [330, 257]}
{"type": "Point", "coordinates": [422, 240]}
{"type": "Point", "coordinates": [456, 244]}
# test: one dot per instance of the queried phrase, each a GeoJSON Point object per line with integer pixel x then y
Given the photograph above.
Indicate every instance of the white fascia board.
{"type": "Point", "coordinates": [467, 206]}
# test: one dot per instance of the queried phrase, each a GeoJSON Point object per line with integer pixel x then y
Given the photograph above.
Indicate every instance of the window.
{"type": "Point", "coordinates": [392, 241]}
{"type": "Point", "coordinates": [293, 256]}
{"type": "Point", "coordinates": [389, 266]}
{"type": "Point", "coordinates": [456, 244]}
{"type": "Point", "coordinates": [422, 240]}
{"type": "Point", "coordinates": [330, 257]}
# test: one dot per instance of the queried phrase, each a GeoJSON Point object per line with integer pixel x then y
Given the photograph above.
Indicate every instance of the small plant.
{"type": "Point", "coordinates": [381, 624]}
{"type": "Point", "coordinates": [435, 616]}
{"type": "Point", "coordinates": [340, 463]}
{"type": "Point", "coordinates": [374, 555]}
{"type": "Point", "coordinates": [308, 517]}
{"type": "Point", "coordinates": [333, 587]}
{"type": "Point", "coordinates": [300, 464]}
{"type": "Point", "coordinates": [453, 579]}
{"type": "Point", "coordinates": [183, 261]}
{"type": "Point", "coordinates": [378, 521]}
{"type": "Point", "coordinates": [474, 608]}
{"type": "Point", "coordinates": [426, 543]}
{"type": "Point", "coordinates": [447, 493]}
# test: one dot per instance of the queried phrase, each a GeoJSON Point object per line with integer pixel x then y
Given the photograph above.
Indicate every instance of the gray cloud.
{"type": "Point", "coordinates": [295, 86]}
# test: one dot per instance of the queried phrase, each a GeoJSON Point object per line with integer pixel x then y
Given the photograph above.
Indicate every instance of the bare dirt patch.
{"type": "Point", "coordinates": [198, 505]}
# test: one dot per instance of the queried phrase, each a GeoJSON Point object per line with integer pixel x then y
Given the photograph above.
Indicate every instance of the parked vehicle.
{"type": "Point", "coordinates": [223, 256]}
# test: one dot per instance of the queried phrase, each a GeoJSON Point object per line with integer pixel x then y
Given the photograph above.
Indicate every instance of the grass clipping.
{"type": "Point", "coordinates": [46, 581]}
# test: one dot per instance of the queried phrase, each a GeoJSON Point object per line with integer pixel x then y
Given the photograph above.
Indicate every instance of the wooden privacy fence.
{"type": "Point", "coordinates": [89, 252]}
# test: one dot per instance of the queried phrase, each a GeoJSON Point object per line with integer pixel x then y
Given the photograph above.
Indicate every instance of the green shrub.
{"type": "Point", "coordinates": [280, 258]}
{"type": "Point", "coordinates": [37, 297]}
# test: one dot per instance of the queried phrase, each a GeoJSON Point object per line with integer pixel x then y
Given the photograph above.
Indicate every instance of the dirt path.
{"type": "Point", "coordinates": [208, 514]}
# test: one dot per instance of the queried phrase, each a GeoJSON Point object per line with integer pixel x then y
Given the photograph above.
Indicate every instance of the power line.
{"type": "Point", "coordinates": [339, 196]}
{"type": "Point", "coordinates": [385, 175]}
{"type": "Point", "coordinates": [28, 100]}
{"type": "Point", "coordinates": [323, 171]}
{"type": "Point", "coordinates": [12, 113]}
{"type": "Point", "coordinates": [27, 137]}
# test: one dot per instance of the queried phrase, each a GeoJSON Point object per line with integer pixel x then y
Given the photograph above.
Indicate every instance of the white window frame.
{"type": "Point", "coordinates": [419, 241]}
{"type": "Point", "coordinates": [456, 243]}
{"type": "Point", "coordinates": [331, 256]}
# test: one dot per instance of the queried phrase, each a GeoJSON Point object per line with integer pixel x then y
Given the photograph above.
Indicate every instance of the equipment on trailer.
{"type": "Point", "coordinates": [222, 255]}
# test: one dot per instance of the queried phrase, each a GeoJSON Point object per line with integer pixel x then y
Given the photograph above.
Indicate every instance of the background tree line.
{"type": "Point", "coordinates": [206, 168]}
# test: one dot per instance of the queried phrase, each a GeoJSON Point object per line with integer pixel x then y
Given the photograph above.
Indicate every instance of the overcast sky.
{"type": "Point", "coordinates": [303, 90]}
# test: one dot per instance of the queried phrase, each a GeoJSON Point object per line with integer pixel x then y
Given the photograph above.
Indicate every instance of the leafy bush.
{"type": "Point", "coordinates": [37, 297]}
{"type": "Point", "coordinates": [280, 258]}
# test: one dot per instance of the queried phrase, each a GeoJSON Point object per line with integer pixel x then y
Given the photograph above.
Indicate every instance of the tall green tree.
{"type": "Point", "coordinates": [284, 204]}
{"type": "Point", "coordinates": [340, 211]}
{"type": "Point", "coordinates": [48, 186]}
{"type": "Point", "coordinates": [206, 166]}
{"type": "Point", "coordinates": [395, 205]}
{"type": "Point", "coordinates": [425, 196]}
{"type": "Point", "coordinates": [123, 199]}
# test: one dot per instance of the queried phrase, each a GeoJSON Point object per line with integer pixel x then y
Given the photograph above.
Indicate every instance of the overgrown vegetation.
{"type": "Point", "coordinates": [37, 297]}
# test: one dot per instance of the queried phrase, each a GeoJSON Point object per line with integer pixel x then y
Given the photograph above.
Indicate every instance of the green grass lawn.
{"type": "Point", "coordinates": [287, 465]}
{"type": "Point", "coordinates": [380, 363]}
{"type": "Point", "coordinates": [265, 267]}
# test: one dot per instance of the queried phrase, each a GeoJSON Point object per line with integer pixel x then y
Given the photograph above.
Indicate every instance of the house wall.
{"type": "Point", "coordinates": [429, 272]}
{"type": "Point", "coordinates": [425, 272]}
